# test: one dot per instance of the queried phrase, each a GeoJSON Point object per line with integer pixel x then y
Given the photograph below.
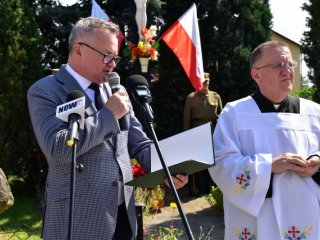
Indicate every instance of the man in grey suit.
{"type": "Point", "coordinates": [104, 207]}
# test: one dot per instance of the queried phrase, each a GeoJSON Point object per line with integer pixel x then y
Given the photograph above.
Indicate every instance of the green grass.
{"type": "Point", "coordinates": [23, 220]}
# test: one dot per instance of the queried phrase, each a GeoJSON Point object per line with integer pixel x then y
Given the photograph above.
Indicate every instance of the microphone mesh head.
{"type": "Point", "coordinates": [74, 94]}
{"type": "Point", "coordinates": [136, 80]}
{"type": "Point", "coordinates": [114, 79]}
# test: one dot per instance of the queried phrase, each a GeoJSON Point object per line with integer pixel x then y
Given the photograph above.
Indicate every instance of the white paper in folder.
{"type": "Point", "coordinates": [194, 144]}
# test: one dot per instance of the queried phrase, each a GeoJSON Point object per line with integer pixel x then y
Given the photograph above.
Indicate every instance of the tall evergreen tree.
{"type": "Point", "coordinates": [55, 23]}
{"type": "Point", "coordinates": [19, 67]}
{"type": "Point", "coordinates": [311, 45]}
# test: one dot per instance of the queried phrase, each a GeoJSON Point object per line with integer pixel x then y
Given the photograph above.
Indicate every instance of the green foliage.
{"type": "Point", "coordinates": [19, 67]}
{"type": "Point", "coordinates": [23, 220]}
{"type": "Point", "coordinates": [55, 23]}
{"type": "Point", "coordinates": [165, 233]}
{"type": "Point", "coordinates": [141, 197]}
{"type": "Point", "coordinates": [311, 45]}
{"type": "Point", "coordinates": [227, 44]}
{"type": "Point", "coordinates": [305, 92]}
{"type": "Point", "coordinates": [215, 199]}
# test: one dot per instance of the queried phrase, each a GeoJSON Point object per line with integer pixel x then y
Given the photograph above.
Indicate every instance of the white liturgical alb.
{"type": "Point", "coordinates": [245, 141]}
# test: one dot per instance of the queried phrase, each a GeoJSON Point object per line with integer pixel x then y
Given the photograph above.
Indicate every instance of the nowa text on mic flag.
{"type": "Point", "coordinates": [183, 38]}
{"type": "Point", "coordinates": [96, 11]}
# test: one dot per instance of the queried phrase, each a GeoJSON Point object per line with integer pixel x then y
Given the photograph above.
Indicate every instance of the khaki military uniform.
{"type": "Point", "coordinates": [201, 108]}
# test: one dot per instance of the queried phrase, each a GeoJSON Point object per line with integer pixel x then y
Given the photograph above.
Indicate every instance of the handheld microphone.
{"type": "Point", "coordinates": [139, 88]}
{"type": "Point", "coordinates": [114, 82]}
{"type": "Point", "coordinates": [72, 112]}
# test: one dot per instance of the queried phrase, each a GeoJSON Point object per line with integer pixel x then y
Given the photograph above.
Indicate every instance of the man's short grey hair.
{"type": "Point", "coordinates": [257, 52]}
{"type": "Point", "coordinates": [84, 29]}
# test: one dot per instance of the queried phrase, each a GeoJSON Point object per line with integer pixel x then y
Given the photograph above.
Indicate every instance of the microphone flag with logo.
{"type": "Point", "coordinates": [72, 112]}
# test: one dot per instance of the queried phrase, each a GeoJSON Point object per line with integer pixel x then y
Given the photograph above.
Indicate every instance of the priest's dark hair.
{"type": "Point", "coordinates": [257, 52]}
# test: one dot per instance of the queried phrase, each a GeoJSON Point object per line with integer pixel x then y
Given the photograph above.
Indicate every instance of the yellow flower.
{"type": "Point", "coordinates": [173, 205]}
{"type": "Point", "coordinates": [134, 161]}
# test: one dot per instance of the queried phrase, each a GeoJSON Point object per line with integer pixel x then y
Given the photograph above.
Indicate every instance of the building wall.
{"type": "Point", "coordinates": [296, 55]}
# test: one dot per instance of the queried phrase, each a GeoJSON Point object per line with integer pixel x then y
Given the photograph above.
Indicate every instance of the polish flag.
{"type": "Point", "coordinates": [96, 11]}
{"type": "Point", "coordinates": [183, 38]}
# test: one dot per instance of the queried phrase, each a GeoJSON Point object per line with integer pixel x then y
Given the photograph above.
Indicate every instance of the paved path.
{"type": "Point", "coordinates": [202, 219]}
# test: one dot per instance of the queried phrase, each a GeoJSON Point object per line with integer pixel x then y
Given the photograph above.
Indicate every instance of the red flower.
{"type": "Point", "coordinates": [137, 170]}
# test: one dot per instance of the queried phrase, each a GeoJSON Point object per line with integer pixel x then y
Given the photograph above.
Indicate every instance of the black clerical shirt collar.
{"type": "Point", "coordinates": [289, 105]}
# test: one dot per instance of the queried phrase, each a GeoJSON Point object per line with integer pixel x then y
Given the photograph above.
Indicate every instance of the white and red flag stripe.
{"type": "Point", "coordinates": [183, 38]}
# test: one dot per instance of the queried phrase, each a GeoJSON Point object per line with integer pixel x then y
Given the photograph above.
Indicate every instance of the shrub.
{"type": "Point", "coordinates": [215, 199]}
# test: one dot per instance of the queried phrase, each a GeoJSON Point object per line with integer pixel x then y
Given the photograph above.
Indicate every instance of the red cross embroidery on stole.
{"type": "Point", "coordinates": [293, 231]}
{"type": "Point", "coordinates": [241, 179]}
{"type": "Point", "coordinates": [245, 233]}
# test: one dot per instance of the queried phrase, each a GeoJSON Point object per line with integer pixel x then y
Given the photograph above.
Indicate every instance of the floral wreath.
{"type": "Point", "coordinates": [146, 47]}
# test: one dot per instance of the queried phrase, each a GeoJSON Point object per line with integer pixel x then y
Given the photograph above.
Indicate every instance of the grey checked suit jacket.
{"type": "Point", "coordinates": [103, 150]}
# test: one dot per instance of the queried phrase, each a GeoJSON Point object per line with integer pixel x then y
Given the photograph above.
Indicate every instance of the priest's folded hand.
{"type": "Point", "coordinates": [313, 160]}
{"type": "Point", "coordinates": [289, 162]}
{"type": "Point", "coordinates": [310, 171]}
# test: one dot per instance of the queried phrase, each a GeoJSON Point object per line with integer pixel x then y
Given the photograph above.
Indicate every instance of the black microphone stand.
{"type": "Point", "coordinates": [72, 187]}
{"type": "Point", "coordinates": [149, 117]}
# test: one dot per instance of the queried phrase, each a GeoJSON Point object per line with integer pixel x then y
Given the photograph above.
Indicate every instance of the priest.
{"type": "Point", "coordinates": [267, 148]}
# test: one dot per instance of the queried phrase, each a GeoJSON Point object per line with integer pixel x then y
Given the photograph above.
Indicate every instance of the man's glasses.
{"type": "Point", "coordinates": [280, 65]}
{"type": "Point", "coordinates": [106, 57]}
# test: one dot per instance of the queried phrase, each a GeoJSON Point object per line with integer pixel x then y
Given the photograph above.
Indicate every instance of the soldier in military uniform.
{"type": "Point", "coordinates": [201, 107]}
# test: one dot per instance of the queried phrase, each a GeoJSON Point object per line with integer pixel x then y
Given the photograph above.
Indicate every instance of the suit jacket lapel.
{"type": "Point", "coordinates": [70, 84]}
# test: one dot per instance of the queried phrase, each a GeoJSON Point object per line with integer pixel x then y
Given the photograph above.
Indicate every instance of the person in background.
{"type": "Point", "coordinates": [103, 207]}
{"type": "Point", "coordinates": [267, 155]}
{"type": "Point", "coordinates": [201, 107]}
